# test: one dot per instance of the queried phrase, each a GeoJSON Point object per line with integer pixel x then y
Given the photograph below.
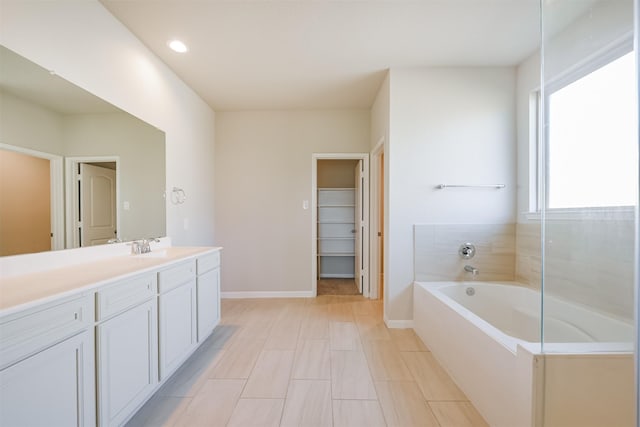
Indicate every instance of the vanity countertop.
{"type": "Point", "coordinates": [24, 291]}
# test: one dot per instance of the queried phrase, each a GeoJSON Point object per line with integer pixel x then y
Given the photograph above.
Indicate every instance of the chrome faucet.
{"type": "Point", "coordinates": [136, 247]}
{"type": "Point", "coordinates": [142, 246]}
{"type": "Point", "coordinates": [146, 244]}
{"type": "Point", "coordinates": [474, 271]}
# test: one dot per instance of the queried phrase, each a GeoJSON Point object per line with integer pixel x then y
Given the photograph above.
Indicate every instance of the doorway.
{"type": "Point", "coordinates": [92, 200]}
{"type": "Point", "coordinates": [31, 201]}
{"type": "Point", "coordinates": [340, 224]}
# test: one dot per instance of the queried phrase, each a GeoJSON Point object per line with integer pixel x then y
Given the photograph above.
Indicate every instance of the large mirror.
{"type": "Point", "coordinates": [75, 171]}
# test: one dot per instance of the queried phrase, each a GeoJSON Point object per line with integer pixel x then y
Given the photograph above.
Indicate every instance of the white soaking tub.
{"type": "Point", "coordinates": [487, 336]}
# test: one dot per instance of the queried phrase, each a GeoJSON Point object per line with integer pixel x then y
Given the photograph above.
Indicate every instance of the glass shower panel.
{"type": "Point", "coordinates": [588, 175]}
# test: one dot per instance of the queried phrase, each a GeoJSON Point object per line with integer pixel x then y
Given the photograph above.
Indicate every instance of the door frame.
{"type": "Point", "coordinates": [71, 194]}
{"type": "Point", "coordinates": [314, 216]}
{"type": "Point", "coordinates": [56, 191]}
{"type": "Point", "coordinates": [376, 153]}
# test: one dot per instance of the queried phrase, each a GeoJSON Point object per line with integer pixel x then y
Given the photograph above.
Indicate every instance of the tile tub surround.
{"type": "Point", "coordinates": [341, 367]}
{"type": "Point", "coordinates": [588, 261]}
{"type": "Point", "coordinates": [436, 255]}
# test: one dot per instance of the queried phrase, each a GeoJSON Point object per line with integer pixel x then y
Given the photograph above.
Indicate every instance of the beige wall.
{"type": "Point", "coordinates": [25, 204]}
{"type": "Point", "coordinates": [263, 174]}
{"type": "Point", "coordinates": [25, 124]}
{"type": "Point", "coordinates": [447, 126]}
{"type": "Point", "coordinates": [380, 114]}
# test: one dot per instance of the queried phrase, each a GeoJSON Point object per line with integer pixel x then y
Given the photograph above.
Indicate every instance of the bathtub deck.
{"type": "Point", "coordinates": [327, 361]}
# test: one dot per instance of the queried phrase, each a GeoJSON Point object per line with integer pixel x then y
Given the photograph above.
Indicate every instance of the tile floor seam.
{"type": "Point", "coordinates": [236, 404]}
{"type": "Point", "coordinates": [249, 317]}
{"type": "Point", "coordinates": [330, 374]}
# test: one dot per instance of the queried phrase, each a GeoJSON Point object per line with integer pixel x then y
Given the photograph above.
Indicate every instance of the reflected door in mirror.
{"type": "Point", "coordinates": [97, 204]}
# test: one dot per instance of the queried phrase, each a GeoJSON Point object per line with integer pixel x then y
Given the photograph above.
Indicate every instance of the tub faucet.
{"type": "Point", "coordinates": [474, 271]}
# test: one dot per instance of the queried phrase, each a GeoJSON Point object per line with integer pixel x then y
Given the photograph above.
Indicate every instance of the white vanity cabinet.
{"type": "Point", "coordinates": [126, 347]}
{"type": "Point", "coordinates": [208, 293]}
{"type": "Point", "coordinates": [93, 355]}
{"type": "Point", "coordinates": [177, 313]}
{"type": "Point", "coordinates": [47, 365]}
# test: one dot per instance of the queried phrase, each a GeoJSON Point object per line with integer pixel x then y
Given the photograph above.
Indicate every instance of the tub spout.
{"type": "Point", "coordinates": [471, 270]}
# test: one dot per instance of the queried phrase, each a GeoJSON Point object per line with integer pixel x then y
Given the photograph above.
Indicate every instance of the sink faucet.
{"type": "Point", "coordinates": [474, 271]}
{"type": "Point", "coordinates": [142, 246]}
{"type": "Point", "coordinates": [146, 244]}
{"type": "Point", "coordinates": [136, 247]}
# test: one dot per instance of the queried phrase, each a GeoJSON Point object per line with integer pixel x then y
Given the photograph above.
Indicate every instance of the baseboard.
{"type": "Point", "coordinates": [276, 294]}
{"type": "Point", "coordinates": [398, 324]}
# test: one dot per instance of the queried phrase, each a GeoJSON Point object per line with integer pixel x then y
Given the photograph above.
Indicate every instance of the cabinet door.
{"type": "Point", "coordinates": [177, 326]}
{"type": "Point", "coordinates": [51, 388]}
{"type": "Point", "coordinates": [208, 302]}
{"type": "Point", "coordinates": [127, 362]}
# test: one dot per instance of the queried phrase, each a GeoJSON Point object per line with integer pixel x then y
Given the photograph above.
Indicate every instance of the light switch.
{"type": "Point", "coordinates": [305, 204]}
{"type": "Point", "coordinates": [126, 206]}
{"type": "Point", "coordinates": [185, 223]}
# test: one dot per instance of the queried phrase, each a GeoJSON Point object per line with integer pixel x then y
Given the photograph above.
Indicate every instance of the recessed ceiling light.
{"type": "Point", "coordinates": [178, 46]}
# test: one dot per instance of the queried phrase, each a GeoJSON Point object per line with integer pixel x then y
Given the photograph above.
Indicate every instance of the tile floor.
{"type": "Point", "coordinates": [327, 361]}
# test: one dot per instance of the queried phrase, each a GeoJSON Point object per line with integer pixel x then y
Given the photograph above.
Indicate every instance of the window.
{"type": "Point", "coordinates": [592, 141]}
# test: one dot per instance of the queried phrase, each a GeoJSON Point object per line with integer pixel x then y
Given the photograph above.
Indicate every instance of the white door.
{"type": "Point", "coordinates": [97, 205]}
{"type": "Point", "coordinates": [359, 226]}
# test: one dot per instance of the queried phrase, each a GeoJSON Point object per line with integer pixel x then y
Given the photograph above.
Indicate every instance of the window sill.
{"type": "Point", "coordinates": [614, 213]}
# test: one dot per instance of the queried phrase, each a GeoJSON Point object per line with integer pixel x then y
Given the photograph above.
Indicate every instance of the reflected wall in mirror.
{"type": "Point", "coordinates": [50, 121]}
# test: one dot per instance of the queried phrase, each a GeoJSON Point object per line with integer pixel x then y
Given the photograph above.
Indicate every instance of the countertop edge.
{"type": "Point", "coordinates": [8, 311]}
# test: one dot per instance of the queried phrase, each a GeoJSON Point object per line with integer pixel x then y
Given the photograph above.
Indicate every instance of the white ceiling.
{"type": "Point", "coordinates": [309, 54]}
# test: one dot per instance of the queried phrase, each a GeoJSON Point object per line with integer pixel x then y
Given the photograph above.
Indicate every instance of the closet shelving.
{"type": "Point", "coordinates": [336, 232]}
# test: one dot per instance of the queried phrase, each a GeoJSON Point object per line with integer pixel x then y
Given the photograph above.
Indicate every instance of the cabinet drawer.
{"type": "Point", "coordinates": [208, 262]}
{"type": "Point", "coordinates": [125, 294]}
{"type": "Point", "coordinates": [25, 333]}
{"type": "Point", "coordinates": [175, 276]}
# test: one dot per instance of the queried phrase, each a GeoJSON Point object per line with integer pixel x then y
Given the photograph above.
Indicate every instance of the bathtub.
{"type": "Point", "coordinates": [487, 336]}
